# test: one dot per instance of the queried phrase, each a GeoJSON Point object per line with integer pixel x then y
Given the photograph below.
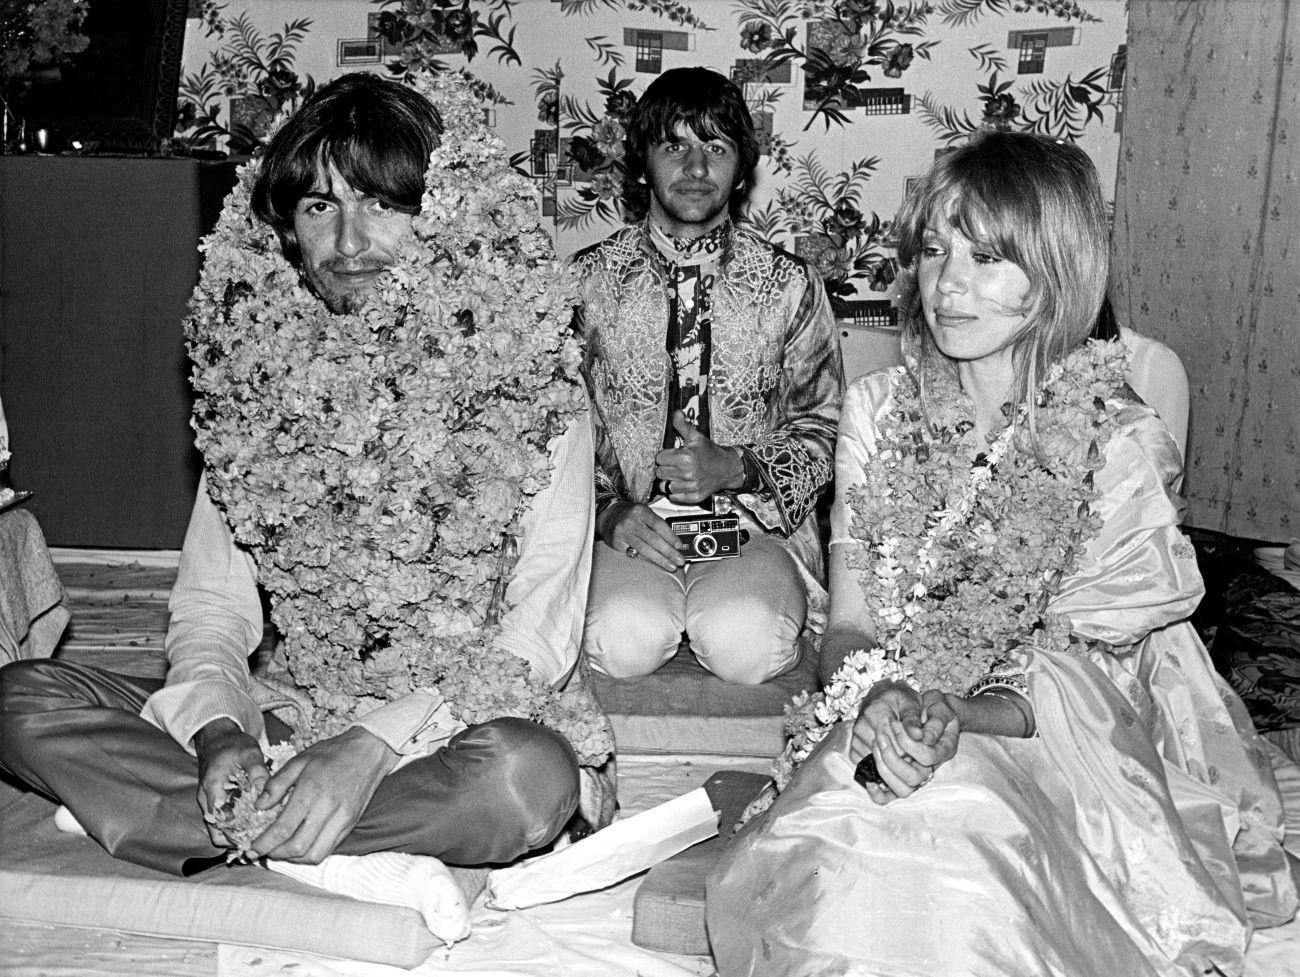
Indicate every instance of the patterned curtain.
{"type": "Point", "coordinates": [1207, 214]}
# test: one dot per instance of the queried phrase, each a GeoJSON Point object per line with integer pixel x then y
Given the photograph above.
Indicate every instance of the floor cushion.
{"type": "Point", "coordinates": [49, 876]}
{"type": "Point", "coordinates": [684, 708]}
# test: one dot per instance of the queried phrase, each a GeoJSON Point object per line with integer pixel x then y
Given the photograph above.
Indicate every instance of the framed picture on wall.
{"type": "Point", "coordinates": [360, 50]}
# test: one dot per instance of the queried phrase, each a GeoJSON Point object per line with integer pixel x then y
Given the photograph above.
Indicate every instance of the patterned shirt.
{"type": "Point", "coordinates": [767, 379]}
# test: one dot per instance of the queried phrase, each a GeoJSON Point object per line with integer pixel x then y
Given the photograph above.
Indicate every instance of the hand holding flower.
{"type": "Point", "coordinates": [224, 752]}
{"type": "Point", "coordinates": [324, 791]}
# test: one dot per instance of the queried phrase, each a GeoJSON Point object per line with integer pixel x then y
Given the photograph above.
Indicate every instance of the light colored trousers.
{"type": "Point", "coordinates": [742, 615]}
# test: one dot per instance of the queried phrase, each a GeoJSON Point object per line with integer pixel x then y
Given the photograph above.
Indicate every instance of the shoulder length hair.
{"type": "Point", "coordinates": [710, 105]}
{"type": "Point", "coordinates": [1029, 199]}
{"type": "Point", "coordinates": [376, 133]}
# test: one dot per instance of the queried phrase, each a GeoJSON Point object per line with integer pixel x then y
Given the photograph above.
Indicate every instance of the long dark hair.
{"type": "Point", "coordinates": [377, 134]}
{"type": "Point", "coordinates": [710, 105]}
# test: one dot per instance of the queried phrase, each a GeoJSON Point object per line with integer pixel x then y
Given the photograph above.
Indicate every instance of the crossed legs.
{"type": "Point", "coordinates": [73, 733]}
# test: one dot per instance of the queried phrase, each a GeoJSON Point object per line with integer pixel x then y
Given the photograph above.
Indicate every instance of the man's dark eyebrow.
{"type": "Point", "coordinates": [318, 193]}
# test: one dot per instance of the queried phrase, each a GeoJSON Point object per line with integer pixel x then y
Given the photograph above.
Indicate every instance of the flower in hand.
{"type": "Point", "coordinates": [240, 819]}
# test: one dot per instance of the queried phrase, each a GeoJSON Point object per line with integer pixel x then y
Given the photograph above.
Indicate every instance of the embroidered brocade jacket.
{"type": "Point", "coordinates": [774, 386]}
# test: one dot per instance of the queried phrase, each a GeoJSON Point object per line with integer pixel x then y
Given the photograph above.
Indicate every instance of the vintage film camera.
{"type": "Point", "coordinates": [708, 534]}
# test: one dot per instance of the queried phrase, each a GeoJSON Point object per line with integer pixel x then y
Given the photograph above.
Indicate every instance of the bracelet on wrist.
{"type": "Point", "coordinates": [1012, 689]}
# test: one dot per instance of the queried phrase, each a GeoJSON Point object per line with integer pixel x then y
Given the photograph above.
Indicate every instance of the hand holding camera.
{"type": "Point", "coordinates": [682, 526]}
{"type": "Point", "coordinates": [642, 534]}
{"type": "Point", "coordinates": [669, 536]}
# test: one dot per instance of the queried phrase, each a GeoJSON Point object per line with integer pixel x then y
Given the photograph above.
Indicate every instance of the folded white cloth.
{"type": "Point", "coordinates": [420, 882]}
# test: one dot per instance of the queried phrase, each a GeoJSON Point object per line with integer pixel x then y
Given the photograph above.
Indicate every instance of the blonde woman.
{"type": "Point", "coordinates": [1035, 769]}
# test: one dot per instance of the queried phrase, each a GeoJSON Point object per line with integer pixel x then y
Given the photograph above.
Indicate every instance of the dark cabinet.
{"type": "Point", "coordinates": [98, 257]}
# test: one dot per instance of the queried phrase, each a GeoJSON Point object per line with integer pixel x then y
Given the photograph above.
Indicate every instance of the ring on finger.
{"type": "Point", "coordinates": [632, 552]}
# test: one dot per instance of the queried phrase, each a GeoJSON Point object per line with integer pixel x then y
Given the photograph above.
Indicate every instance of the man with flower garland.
{"type": "Point", "coordinates": [743, 405]}
{"type": "Point", "coordinates": [341, 184]}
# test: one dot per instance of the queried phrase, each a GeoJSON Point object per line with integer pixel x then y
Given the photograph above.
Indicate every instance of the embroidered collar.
{"type": "Point", "coordinates": [690, 251]}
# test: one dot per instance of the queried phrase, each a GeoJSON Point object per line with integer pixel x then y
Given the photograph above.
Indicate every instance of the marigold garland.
{"type": "Point", "coordinates": [958, 562]}
{"type": "Point", "coordinates": [374, 462]}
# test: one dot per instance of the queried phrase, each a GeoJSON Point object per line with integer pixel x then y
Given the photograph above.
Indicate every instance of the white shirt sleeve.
{"type": "Point", "coordinates": [216, 623]}
{"type": "Point", "coordinates": [412, 725]}
{"type": "Point", "coordinates": [546, 600]}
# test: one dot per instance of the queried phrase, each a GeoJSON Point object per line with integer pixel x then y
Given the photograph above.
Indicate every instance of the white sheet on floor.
{"type": "Point", "coordinates": [585, 936]}
{"type": "Point", "coordinates": [590, 935]}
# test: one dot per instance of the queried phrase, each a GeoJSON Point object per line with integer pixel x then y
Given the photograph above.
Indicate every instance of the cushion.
{"type": "Point", "coordinates": [48, 876]}
{"type": "Point", "coordinates": [684, 708]}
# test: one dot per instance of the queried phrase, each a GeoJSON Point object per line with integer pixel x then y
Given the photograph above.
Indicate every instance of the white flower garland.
{"type": "Point", "coordinates": [956, 594]}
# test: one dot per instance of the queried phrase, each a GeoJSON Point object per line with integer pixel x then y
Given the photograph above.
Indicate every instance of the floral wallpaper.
{"type": "Point", "coordinates": [1207, 244]}
{"type": "Point", "coordinates": [852, 97]}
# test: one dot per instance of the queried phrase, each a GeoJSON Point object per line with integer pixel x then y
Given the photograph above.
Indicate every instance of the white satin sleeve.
{"type": "Point", "coordinates": [866, 401]}
{"type": "Point", "coordinates": [1139, 574]}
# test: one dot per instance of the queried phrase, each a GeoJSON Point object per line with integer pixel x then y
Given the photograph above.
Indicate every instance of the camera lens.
{"type": "Point", "coordinates": [705, 545]}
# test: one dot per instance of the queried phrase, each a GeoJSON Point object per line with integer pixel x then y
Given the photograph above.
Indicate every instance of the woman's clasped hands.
{"type": "Point", "coordinates": [908, 734]}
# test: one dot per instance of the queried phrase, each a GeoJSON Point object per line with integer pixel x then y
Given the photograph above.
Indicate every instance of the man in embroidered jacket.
{"type": "Point", "coordinates": [128, 757]}
{"type": "Point", "coordinates": [715, 370]}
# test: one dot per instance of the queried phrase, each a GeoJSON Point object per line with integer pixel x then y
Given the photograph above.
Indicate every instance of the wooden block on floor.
{"type": "Point", "coordinates": [668, 910]}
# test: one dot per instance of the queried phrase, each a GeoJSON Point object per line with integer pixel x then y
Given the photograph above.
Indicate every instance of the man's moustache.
{"type": "Point", "coordinates": [349, 268]}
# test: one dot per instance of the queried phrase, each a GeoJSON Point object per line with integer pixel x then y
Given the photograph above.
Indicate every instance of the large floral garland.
{"type": "Point", "coordinates": [958, 562]}
{"type": "Point", "coordinates": [375, 462]}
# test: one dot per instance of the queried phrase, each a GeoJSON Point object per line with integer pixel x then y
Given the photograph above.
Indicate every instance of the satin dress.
{"type": "Point", "coordinates": [1139, 833]}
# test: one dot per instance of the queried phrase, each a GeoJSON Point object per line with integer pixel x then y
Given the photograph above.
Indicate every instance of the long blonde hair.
{"type": "Point", "coordinates": [1029, 199]}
